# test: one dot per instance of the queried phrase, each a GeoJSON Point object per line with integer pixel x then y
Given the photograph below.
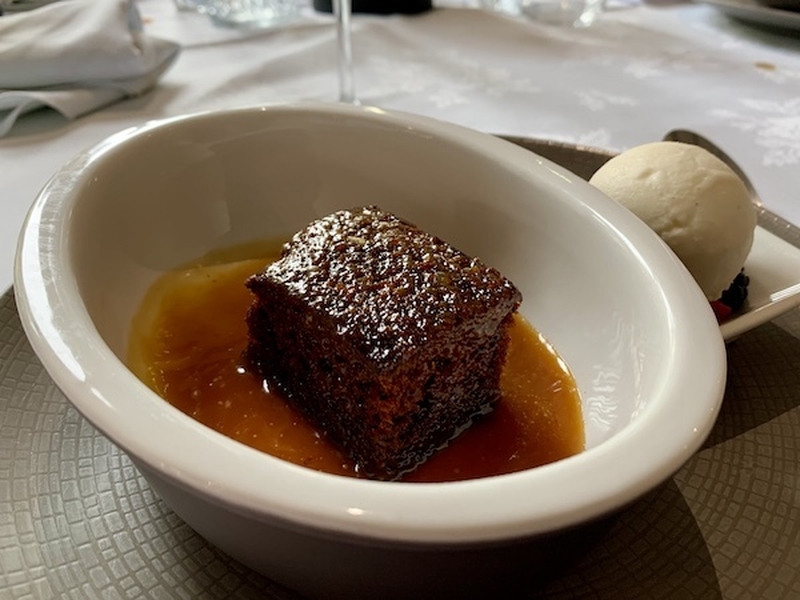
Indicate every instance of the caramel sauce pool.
{"type": "Point", "coordinates": [187, 341]}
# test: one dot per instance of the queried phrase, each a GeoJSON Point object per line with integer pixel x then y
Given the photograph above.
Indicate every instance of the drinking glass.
{"type": "Point", "coordinates": [575, 13]}
{"type": "Point", "coordinates": [252, 14]}
{"type": "Point", "coordinates": [343, 11]}
{"type": "Point", "coordinates": [571, 13]}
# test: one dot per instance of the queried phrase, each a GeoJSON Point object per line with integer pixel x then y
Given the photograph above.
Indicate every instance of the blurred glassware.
{"type": "Point", "coordinates": [343, 11]}
{"type": "Point", "coordinates": [570, 13]}
{"type": "Point", "coordinates": [509, 7]}
{"type": "Point", "coordinates": [577, 13]}
{"type": "Point", "coordinates": [189, 5]}
{"type": "Point", "coordinates": [245, 13]}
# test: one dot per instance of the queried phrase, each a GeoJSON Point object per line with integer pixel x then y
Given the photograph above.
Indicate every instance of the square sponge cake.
{"type": "Point", "coordinates": [387, 338]}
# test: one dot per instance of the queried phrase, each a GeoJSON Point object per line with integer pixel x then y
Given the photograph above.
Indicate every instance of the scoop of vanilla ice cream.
{"type": "Point", "coordinates": [693, 200]}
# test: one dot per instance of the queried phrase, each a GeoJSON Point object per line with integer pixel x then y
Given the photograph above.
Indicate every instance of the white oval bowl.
{"type": "Point", "coordinates": [628, 319]}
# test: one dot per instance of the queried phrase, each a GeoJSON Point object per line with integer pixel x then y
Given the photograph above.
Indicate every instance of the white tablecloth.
{"type": "Point", "coordinates": [640, 71]}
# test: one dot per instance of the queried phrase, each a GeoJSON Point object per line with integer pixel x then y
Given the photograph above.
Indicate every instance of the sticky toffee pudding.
{"type": "Point", "coordinates": [188, 341]}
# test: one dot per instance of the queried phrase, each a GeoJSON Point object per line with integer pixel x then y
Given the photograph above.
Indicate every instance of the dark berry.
{"type": "Point", "coordinates": [736, 294]}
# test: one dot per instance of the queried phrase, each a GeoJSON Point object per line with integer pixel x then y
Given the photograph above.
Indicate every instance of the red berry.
{"type": "Point", "coordinates": [722, 310]}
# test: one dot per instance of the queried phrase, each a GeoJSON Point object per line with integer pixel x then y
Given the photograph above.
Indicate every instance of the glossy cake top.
{"type": "Point", "coordinates": [387, 285]}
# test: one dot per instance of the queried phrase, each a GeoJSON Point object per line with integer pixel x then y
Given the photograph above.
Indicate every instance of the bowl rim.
{"type": "Point", "coordinates": [502, 507]}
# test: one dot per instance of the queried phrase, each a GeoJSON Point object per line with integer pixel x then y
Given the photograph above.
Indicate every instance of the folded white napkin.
{"type": "Point", "coordinates": [76, 56]}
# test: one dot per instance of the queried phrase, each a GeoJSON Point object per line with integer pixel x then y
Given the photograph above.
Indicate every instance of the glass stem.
{"type": "Point", "coordinates": [343, 10]}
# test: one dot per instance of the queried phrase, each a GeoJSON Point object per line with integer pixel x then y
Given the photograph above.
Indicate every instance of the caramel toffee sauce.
{"type": "Point", "coordinates": [187, 342]}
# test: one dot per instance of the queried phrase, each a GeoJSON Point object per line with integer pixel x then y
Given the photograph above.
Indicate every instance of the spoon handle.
{"type": "Point", "coordinates": [585, 160]}
{"type": "Point", "coordinates": [766, 218]}
{"type": "Point", "coordinates": [691, 137]}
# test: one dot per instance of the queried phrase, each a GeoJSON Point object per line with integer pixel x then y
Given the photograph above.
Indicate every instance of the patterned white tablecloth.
{"type": "Point", "coordinates": [641, 70]}
{"type": "Point", "coordinates": [76, 519]}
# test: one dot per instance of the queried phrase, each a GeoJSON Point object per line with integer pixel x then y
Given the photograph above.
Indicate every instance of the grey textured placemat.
{"type": "Point", "coordinates": [78, 521]}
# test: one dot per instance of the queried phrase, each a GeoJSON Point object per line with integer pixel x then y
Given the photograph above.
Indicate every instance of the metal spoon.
{"type": "Point", "coordinates": [766, 218]}
{"type": "Point", "coordinates": [690, 137]}
{"type": "Point", "coordinates": [585, 160]}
